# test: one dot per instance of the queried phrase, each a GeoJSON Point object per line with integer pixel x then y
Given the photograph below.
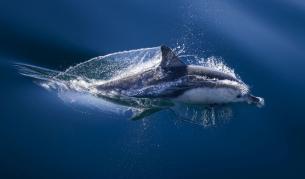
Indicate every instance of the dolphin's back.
{"type": "Point", "coordinates": [148, 78]}
{"type": "Point", "coordinates": [210, 73]}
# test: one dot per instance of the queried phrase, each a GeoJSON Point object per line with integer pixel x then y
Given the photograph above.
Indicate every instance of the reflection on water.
{"type": "Point", "coordinates": [207, 116]}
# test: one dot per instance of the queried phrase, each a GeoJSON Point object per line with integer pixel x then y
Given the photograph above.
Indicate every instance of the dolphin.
{"type": "Point", "coordinates": [178, 82]}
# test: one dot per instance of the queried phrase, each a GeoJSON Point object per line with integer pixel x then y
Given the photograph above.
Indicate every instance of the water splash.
{"type": "Point", "coordinates": [213, 62]}
{"type": "Point", "coordinates": [115, 65]}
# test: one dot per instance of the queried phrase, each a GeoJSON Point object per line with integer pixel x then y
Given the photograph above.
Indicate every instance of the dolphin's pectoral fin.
{"type": "Point", "coordinates": [141, 114]}
{"type": "Point", "coordinates": [169, 59]}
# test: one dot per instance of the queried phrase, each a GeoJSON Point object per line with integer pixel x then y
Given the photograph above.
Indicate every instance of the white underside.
{"type": "Point", "coordinates": [208, 96]}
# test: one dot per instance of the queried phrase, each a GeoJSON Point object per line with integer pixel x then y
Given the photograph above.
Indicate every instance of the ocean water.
{"type": "Point", "coordinates": [67, 134]}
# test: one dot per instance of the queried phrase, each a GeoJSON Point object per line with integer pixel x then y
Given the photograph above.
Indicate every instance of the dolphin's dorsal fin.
{"type": "Point", "coordinates": [169, 59]}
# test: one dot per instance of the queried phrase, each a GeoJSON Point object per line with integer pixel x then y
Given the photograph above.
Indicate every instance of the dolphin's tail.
{"type": "Point", "coordinates": [36, 72]}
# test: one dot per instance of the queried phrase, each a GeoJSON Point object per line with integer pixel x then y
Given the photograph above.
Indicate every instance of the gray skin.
{"type": "Point", "coordinates": [172, 69]}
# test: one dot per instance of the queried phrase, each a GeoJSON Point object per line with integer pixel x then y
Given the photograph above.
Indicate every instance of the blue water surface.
{"type": "Point", "coordinates": [43, 137]}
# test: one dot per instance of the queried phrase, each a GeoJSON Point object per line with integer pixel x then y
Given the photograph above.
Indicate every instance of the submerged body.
{"type": "Point", "coordinates": [176, 81]}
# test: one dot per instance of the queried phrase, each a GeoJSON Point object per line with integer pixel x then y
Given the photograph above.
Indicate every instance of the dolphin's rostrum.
{"type": "Point", "coordinates": [175, 81]}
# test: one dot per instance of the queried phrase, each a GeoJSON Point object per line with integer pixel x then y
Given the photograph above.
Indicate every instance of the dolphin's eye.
{"type": "Point", "coordinates": [238, 96]}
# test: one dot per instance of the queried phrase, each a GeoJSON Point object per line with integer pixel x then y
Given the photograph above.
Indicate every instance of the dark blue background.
{"type": "Point", "coordinates": [264, 41]}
